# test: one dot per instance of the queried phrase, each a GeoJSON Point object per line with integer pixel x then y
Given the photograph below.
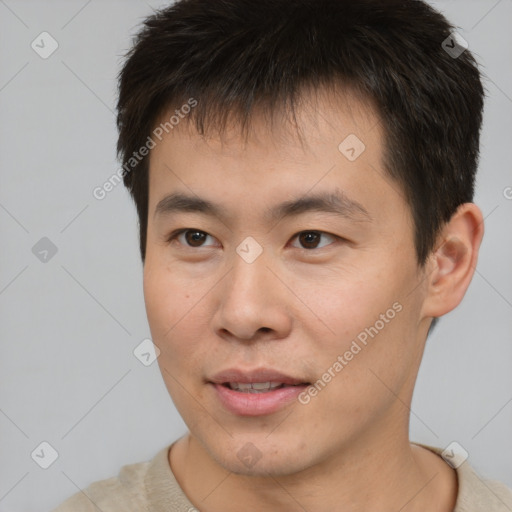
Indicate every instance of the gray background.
{"type": "Point", "coordinates": [69, 326]}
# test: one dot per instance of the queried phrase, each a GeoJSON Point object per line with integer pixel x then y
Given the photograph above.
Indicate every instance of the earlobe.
{"type": "Point", "coordinates": [454, 261]}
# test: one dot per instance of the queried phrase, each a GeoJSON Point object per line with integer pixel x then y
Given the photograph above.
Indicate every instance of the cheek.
{"type": "Point", "coordinates": [370, 322]}
{"type": "Point", "coordinates": [379, 356]}
{"type": "Point", "coordinates": [345, 304]}
{"type": "Point", "coordinates": [176, 319]}
{"type": "Point", "coordinates": [175, 313]}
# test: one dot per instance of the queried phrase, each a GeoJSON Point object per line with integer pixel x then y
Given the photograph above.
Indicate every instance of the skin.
{"type": "Point", "coordinates": [295, 309]}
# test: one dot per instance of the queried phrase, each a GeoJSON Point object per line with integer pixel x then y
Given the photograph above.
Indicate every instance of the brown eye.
{"type": "Point", "coordinates": [195, 238]}
{"type": "Point", "coordinates": [309, 239]}
{"type": "Point", "coordinates": [314, 239]}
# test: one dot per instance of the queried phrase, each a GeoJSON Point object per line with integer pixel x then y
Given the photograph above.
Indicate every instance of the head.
{"type": "Point", "coordinates": [322, 155]}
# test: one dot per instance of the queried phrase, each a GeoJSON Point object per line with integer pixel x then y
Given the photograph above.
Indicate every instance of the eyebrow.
{"type": "Point", "coordinates": [337, 203]}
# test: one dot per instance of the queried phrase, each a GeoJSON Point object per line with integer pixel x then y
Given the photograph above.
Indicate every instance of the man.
{"type": "Point", "coordinates": [303, 172]}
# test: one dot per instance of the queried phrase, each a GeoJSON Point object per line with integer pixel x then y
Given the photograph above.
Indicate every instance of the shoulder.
{"type": "Point", "coordinates": [475, 493]}
{"type": "Point", "coordinates": [142, 487]}
{"type": "Point", "coordinates": [124, 492]}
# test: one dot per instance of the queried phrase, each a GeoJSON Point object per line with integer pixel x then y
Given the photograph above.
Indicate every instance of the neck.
{"type": "Point", "coordinates": [383, 473]}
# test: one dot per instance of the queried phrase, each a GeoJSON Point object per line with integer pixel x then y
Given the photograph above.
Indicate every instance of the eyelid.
{"type": "Point", "coordinates": [176, 233]}
{"type": "Point", "coordinates": [335, 238]}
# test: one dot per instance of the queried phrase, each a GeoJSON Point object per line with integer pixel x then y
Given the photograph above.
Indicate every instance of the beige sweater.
{"type": "Point", "coordinates": [152, 487]}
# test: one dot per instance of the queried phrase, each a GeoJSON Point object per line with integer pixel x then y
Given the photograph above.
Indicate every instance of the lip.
{"type": "Point", "coordinates": [255, 375]}
{"type": "Point", "coordinates": [255, 404]}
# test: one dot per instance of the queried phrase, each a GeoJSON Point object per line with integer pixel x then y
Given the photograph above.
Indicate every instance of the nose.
{"type": "Point", "coordinates": [252, 303]}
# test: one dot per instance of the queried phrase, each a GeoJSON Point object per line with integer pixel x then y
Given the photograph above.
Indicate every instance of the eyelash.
{"type": "Point", "coordinates": [175, 234]}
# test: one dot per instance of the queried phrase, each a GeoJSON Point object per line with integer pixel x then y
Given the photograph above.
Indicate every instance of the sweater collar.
{"type": "Point", "coordinates": [164, 492]}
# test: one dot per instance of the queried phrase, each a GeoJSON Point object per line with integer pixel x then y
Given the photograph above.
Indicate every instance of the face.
{"type": "Point", "coordinates": [286, 262]}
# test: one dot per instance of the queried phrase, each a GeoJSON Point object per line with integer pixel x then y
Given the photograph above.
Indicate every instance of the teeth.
{"type": "Point", "coordinates": [265, 385]}
{"type": "Point", "coordinates": [255, 387]}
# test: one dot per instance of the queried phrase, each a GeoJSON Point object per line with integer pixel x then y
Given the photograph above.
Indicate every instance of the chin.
{"type": "Point", "coordinates": [256, 455]}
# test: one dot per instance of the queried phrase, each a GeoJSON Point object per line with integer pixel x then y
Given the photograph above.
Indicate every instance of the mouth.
{"type": "Point", "coordinates": [257, 378]}
{"type": "Point", "coordinates": [256, 392]}
{"type": "Point", "coordinates": [259, 387]}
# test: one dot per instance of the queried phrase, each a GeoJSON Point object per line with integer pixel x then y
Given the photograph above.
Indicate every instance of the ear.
{"type": "Point", "coordinates": [452, 264]}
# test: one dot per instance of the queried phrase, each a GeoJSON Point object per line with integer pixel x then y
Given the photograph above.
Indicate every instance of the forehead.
{"type": "Point", "coordinates": [320, 120]}
{"type": "Point", "coordinates": [334, 142]}
{"type": "Point", "coordinates": [300, 122]}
